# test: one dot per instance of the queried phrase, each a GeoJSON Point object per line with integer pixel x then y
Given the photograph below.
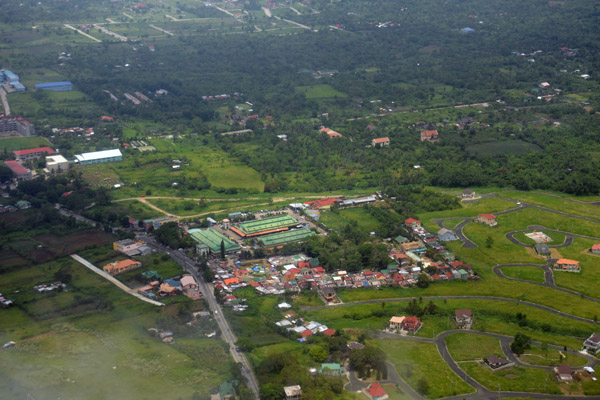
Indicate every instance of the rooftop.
{"type": "Point", "coordinates": [36, 150]}
{"type": "Point", "coordinates": [97, 155]}
{"type": "Point", "coordinates": [212, 239]}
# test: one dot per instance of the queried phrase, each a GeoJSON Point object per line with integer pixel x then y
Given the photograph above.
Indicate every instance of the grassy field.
{"type": "Point", "coordinates": [571, 207]}
{"type": "Point", "coordinates": [470, 346]}
{"type": "Point", "coordinates": [339, 219]}
{"type": "Point", "coordinates": [587, 280]}
{"type": "Point", "coordinates": [70, 344]}
{"type": "Point", "coordinates": [503, 147]}
{"type": "Point", "coordinates": [415, 361]}
{"type": "Point", "coordinates": [517, 379]}
{"type": "Point", "coordinates": [320, 92]}
{"type": "Point", "coordinates": [533, 274]}
{"type": "Point", "coordinates": [537, 355]}
{"type": "Point", "coordinates": [21, 143]}
{"type": "Point", "coordinates": [489, 316]}
{"type": "Point", "coordinates": [557, 238]}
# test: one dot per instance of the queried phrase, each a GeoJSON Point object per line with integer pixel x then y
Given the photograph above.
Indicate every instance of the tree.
{"type": "Point", "coordinates": [222, 250]}
{"type": "Point", "coordinates": [318, 353]}
{"type": "Point", "coordinates": [423, 386]}
{"type": "Point", "coordinates": [521, 343]}
{"type": "Point", "coordinates": [271, 391]}
{"type": "Point", "coordinates": [489, 242]}
{"type": "Point", "coordinates": [244, 344]}
{"type": "Point", "coordinates": [423, 281]}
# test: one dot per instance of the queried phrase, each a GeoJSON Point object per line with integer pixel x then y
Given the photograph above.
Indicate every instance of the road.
{"type": "Point", "coordinates": [188, 264]}
{"type": "Point", "coordinates": [114, 280]}
{"type": "Point", "coordinates": [83, 33]}
{"type": "Point", "coordinates": [4, 101]}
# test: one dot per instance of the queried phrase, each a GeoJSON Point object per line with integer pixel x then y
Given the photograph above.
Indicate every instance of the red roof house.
{"type": "Point", "coordinates": [376, 392]}
{"type": "Point", "coordinates": [29, 154]}
{"type": "Point", "coordinates": [411, 324]}
{"type": "Point", "coordinates": [330, 132]}
{"type": "Point", "coordinates": [380, 142]}
{"type": "Point", "coordinates": [430, 136]}
{"type": "Point", "coordinates": [412, 222]}
{"type": "Point", "coordinates": [488, 219]}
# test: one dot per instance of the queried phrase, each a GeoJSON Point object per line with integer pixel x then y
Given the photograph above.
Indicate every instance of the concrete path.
{"type": "Point", "coordinates": [83, 33]}
{"type": "Point", "coordinates": [5, 104]}
{"type": "Point", "coordinates": [112, 279]}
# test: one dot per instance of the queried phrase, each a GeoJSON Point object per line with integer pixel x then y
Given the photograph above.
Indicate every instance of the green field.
{"type": "Point", "coordinates": [557, 238]}
{"type": "Point", "coordinates": [91, 333]}
{"type": "Point", "coordinates": [503, 147]}
{"type": "Point", "coordinates": [470, 346]}
{"type": "Point", "coordinates": [586, 281]}
{"type": "Point", "coordinates": [537, 355]}
{"type": "Point", "coordinates": [516, 379]}
{"type": "Point", "coordinates": [563, 204]}
{"type": "Point", "coordinates": [337, 220]}
{"type": "Point", "coordinates": [533, 274]}
{"type": "Point", "coordinates": [414, 362]}
{"type": "Point", "coordinates": [320, 92]}
{"type": "Point", "coordinates": [21, 143]}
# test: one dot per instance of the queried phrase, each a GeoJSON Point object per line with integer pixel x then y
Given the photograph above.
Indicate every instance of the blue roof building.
{"type": "Point", "coordinates": [55, 86]}
{"type": "Point", "coordinates": [11, 77]}
{"type": "Point", "coordinates": [467, 30]}
{"type": "Point", "coordinates": [19, 87]}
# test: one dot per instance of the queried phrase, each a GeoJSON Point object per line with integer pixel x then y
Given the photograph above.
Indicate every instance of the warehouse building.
{"type": "Point", "coordinates": [16, 124]}
{"type": "Point", "coordinates": [265, 226]}
{"type": "Point", "coordinates": [99, 157]}
{"type": "Point", "coordinates": [281, 238]}
{"type": "Point", "coordinates": [212, 239]}
{"type": "Point", "coordinates": [9, 76]}
{"type": "Point", "coordinates": [55, 86]}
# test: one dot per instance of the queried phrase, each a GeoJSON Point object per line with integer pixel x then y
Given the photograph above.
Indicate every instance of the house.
{"type": "Point", "coordinates": [496, 363]}
{"type": "Point", "coordinates": [411, 324]}
{"type": "Point", "coordinates": [446, 235]}
{"type": "Point", "coordinates": [596, 249]}
{"type": "Point", "coordinates": [189, 286]}
{"type": "Point", "coordinates": [355, 346]}
{"type": "Point", "coordinates": [592, 344]}
{"type": "Point", "coordinates": [32, 154]}
{"type": "Point", "coordinates": [488, 219]}
{"type": "Point", "coordinates": [463, 318]}
{"type": "Point", "coordinates": [380, 142]}
{"type": "Point", "coordinates": [564, 373]}
{"type": "Point", "coordinates": [430, 136]}
{"type": "Point", "coordinates": [293, 392]}
{"type": "Point", "coordinates": [565, 264]}
{"type": "Point", "coordinates": [468, 194]}
{"type": "Point", "coordinates": [127, 246]}
{"type": "Point", "coordinates": [20, 173]}
{"type": "Point", "coordinates": [542, 249]}
{"type": "Point", "coordinates": [396, 323]}
{"type": "Point", "coordinates": [331, 369]}
{"type": "Point", "coordinates": [328, 293]}
{"type": "Point", "coordinates": [330, 132]}
{"type": "Point", "coordinates": [117, 267]}
{"type": "Point", "coordinates": [227, 390]}
{"type": "Point", "coordinates": [166, 289]}
{"type": "Point", "coordinates": [376, 392]}
{"type": "Point", "coordinates": [412, 222]}
{"type": "Point", "coordinates": [56, 164]}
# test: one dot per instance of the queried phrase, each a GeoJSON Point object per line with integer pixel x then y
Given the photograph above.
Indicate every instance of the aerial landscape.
{"type": "Point", "coordinates": [305, 199]}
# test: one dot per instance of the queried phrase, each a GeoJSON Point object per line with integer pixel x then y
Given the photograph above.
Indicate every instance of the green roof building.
{"type": "Point", "coordinates": [212, 239]}
{"type": "Point", "coordinates": [265, 226]}
{"type": "Point", "coordinates": [281, 238]}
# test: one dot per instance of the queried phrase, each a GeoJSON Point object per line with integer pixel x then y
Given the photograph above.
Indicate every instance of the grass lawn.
{"type": "Point", "coordinates": [516, 379]}
{"type": "Point", "coordinates": [489, 316]}
{"type": "Point", "coordinates": [339, 219]}
{"type": "Point", "coordinates": [470, 346]}
{"type": "Point", "coordinates": [533, 274]}
{"type": "Point", "coordinates": [415, 361]}
{"type": "Point", "coordinates": [319, 92]}
{"type": "Point", "coordinates": [557, 238]}
{"type": "Point", "coordinates": [22, 143]}
{"type": "Point", "coordinates": [70, 344]}
{"type": "Point", "coordinates": [536, 355]}
{"type": "Point", "coordinates": [571, 207]}
{"type": "Point", "coordinates": [587, 280]}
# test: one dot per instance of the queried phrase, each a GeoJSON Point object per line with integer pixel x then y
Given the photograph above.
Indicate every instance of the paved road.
{"type": "Point", "coordinates": [207, 290]}
{"type": "Point", "coordinates": [496, 298]}
{"type": "Point", "coordinates": [114, 280]}
{"type": "Point", "coordinates": [4, 101]}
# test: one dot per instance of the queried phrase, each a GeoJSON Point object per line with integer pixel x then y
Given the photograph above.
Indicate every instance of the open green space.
{"type": "Point", "coordinates": [470, 346]}
{"type": "Point", "coordinates": [586, 281]}
{"type": "Point", "coordinates": [503, 147]}
{"type": "Point", "coordinates": [414, 362]}
{"type": "Point", "coordinates": [338, 219]}
{"type": "Point", "coordinates": [133, 208]}
{"type": "Point", "coordinates": [538, 355]}
{"type": "Point", "coordinates": [557, 238]}
{"type": "Point", "coordinates": [319, 92]}
{"type": "Point", "coordinates": [556, 203]}
{"type": "Point", "coordinates": [489, 316]}
{"type": "Point", "coordinates": [516, 379]}
{"type": "Point", "coordinates": [79, 338]}
{"type": "Point", "coordinates": [533, 274]}
{"type": "Point", "coordinates": [22, 143]}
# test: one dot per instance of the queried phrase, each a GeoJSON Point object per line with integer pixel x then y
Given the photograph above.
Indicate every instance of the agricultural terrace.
{"type": "Point", "coordinates": [281, 238]}
{"type": "Point", "coordinates": [265, 226]}
{"type": "Point", "coordinates": [213, 239]}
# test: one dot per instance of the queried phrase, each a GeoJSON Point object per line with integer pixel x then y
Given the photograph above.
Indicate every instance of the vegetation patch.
{"type": "Point", "coordinates": [503, 147]}
{"type": "Point", "coordinates": [533, 274]}
{"type": "Point", "coordinates": [320, 92]}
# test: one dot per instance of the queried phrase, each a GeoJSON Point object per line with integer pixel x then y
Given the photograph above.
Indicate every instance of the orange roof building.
{"type": "Point", "coordinates": [430, 136]}
{"type": "Point", "coordinates": [380, 142]}
{"type": "Point", "coordinates": [330, 132]}
{"type": "Point", "coordinates": [117, 267]}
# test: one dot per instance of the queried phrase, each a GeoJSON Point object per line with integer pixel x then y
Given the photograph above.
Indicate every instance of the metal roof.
{"type": "Point", "coordinates": [97, 155]}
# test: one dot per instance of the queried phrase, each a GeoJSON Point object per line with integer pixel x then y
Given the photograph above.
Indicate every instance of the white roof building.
{"type": "Point", "coordinates": [99, 156]}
